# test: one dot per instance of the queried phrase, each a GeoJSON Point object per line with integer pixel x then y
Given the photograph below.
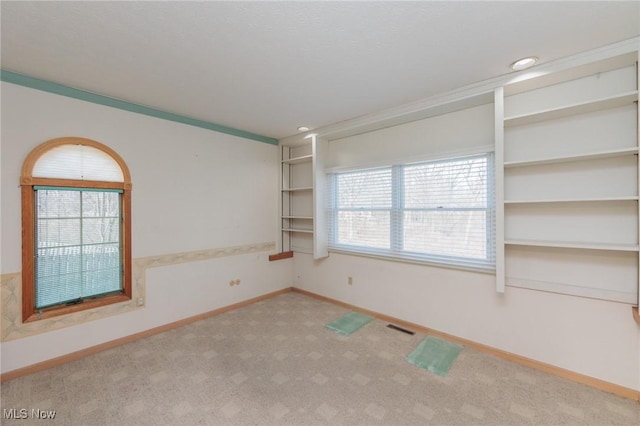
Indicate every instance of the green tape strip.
{"type": "Point", "coordinates": [349, 323]}
{"type": "Point", "coordinates": [435, 355]}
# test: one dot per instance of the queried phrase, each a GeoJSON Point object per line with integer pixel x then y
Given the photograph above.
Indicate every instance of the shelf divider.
{"type": "Point", "coordinates": [298, 160]}
{"type": "Point", "coordinates": [303, 231]}
{"type": "Point", "coordinates": [579, 157]}
{"type": "Point", "coordinates": [575, 200]}
{"type": "Point", "coordinates": [575, 245]}
{"type": "Point", "coordinates": [574, 109]}
{"type": "Point", "coordinates": [306, 188]}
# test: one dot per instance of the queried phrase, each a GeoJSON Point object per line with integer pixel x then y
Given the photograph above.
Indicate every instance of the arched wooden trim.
{"type": "Point", "coordinates": [27, 181]}
{"type": "Point", "coordinates": [26, 177]}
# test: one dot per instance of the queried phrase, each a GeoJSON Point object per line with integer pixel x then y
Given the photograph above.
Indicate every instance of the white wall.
{"type": "Point", "coordinates": [592, 337]}
{"type": "Point", "coordinates": [193, 189]}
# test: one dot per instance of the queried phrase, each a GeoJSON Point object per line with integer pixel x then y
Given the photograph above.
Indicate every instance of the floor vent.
{"type": "Point", "coordinates": [395, 327]}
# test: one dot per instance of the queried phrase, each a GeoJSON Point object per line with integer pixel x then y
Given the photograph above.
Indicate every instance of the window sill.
{"type": "Point", "coordinates": [85, 305]}
{"type": "Point", "coordinates": [491, 270]}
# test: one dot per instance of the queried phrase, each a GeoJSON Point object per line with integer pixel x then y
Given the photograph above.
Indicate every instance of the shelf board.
{"type": "Point", "coordinates": [306, 188]}
{"type": "Point", "coordinates": [574, 245]}
{"type": "Point", "coordinates": [298, 160]}
{"type": "Point", "coordinates": [298, 217]}
{"type": "Point", "coordinates": [574, 109]}
{"type": "Point", "coordinates": [303, 231]}
{"type": "Point", "coordinates": [575, 200]}
{"type": "Point", "coordinates": [568, 158]}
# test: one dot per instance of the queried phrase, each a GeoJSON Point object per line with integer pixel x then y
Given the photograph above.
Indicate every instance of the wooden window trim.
{"type": "Point", "coordinates": [27, 182]}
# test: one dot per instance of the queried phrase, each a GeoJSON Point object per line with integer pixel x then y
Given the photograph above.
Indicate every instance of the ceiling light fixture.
{"type": "Point", "coordinates": [523, 63]}
{"type": "Point", "coordinates": [303, 129]}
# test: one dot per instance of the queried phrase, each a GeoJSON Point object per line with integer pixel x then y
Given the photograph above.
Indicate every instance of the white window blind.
{"type": "Point", "coordinates": [78, 244]}
{"type": "Point", "coordinates": [440, 211]}
{"type": "Point", "coordinates": [80, 162]}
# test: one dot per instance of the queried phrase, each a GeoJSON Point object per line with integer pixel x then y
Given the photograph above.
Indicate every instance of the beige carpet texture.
{"type": "Point", "coordinates": [274, 363]}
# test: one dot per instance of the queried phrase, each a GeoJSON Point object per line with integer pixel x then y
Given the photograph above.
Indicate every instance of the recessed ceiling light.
{"type": "Point", "coordinates": [303, 129]}
{"type": "Point", "coordinates": [523, 63]}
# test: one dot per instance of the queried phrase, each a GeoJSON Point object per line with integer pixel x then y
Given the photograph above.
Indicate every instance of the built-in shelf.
{"type": "Point", "coordinates": [574, 109]}
{"type": "Point", "coordinates": [306, 188]}
{"type": "Point", "coordinates": [568, 158]}
{"type": "Point", "coordinates": [574, 245]}
{"type": "Point", "coordinates": [298, 160]}
{"type": "Point", "coordinates": [567, 193]}
{"type": "Point", "coordinates": [303, 231]}
{"type": "Point", "coordinates": [280, 256]}
{"type": "Point", "coordinates": [575, 200]}
{"type": "Point", "coordinates": [298, 217]}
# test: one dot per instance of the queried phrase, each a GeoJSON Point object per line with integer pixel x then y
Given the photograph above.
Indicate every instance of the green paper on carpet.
{"type": "Point", "coordinates": [349, 323]}
{"type": "Point", "coordinates": [435, 355]}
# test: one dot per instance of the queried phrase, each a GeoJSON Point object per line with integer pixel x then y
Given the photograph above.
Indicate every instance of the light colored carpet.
{"type": "Point", "coordinates": [274, 363]}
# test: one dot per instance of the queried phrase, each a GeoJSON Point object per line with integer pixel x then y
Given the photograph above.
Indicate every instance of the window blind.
{"type": "Point", "coordinates": [78, 162]}
{"type": "Point", "coordinates": [440, 211]}
{"type": "Point", "coordinates": [78, 244]}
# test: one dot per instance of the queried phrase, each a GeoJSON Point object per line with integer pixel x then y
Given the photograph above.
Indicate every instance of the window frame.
{"type": "Point", "coordinates": [396, 250]}
{"type": "Point", "coordinates": [28, 197]}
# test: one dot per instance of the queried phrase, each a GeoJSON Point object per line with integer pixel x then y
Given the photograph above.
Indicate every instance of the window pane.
{"type": "Point", "coordinates": [100, 204]}
{"type": "Point", "coordinates": [58, 275]}
{"type": "Point", "coordinates": [446, 233]}
{"type": "Point", "coordinates": [77, 257]}
{"type": "Point", "coordinates": [368, 189]}
{"type": "Point", "coordinates": [100, 230]}
{"type": "Point", "coordinates": [364, 228]}
{"type": "Point", "coordinates": [58, 232]}
{"type": "Point", "coordinates": [461, 183]}
{"type": "Point", "coordinates": [57, 203]}
{"type": "Point", "coordinates": [102, 269]}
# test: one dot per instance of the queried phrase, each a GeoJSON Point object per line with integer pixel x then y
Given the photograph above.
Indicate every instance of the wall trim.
{"type": "Point", "coordinates": [54, 362]}
{"type": "Point", "coordinates": [83, 95]}
{"type": "Point", "coordinates": [12, 327]}
{"type": "Point", "coordinates": [518, 359]}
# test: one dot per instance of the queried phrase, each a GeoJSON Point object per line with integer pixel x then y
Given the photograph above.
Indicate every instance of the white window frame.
{"type": "Point", "coordinates": [396, 251]}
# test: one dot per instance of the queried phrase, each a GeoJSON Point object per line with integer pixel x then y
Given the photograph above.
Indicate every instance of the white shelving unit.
{"type": "Point", "coordinates": [301, 186]}
{"type": "Point", "coordinates": [569, 175]}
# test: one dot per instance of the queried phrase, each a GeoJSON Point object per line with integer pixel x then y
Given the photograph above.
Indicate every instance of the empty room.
{"type": "Point", "coordinates": [316, 212]}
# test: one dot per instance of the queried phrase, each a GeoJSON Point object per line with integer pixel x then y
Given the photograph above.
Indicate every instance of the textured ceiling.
{"type": "Point", "coordinates": [269, 67]}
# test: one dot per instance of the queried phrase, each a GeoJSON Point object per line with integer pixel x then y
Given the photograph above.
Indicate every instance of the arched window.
{"type": "Point", "coordinates": [76, 228]}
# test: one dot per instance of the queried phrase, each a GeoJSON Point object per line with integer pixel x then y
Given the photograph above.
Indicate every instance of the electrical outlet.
{"type": "Point", "coordinates": [140, 301]}
{"type": "Point", "coordinates": [237, 281]}
{"type": "Point", "coordinates": [350, 280]}
{"type": "Point", "coordinates": [232, 283]}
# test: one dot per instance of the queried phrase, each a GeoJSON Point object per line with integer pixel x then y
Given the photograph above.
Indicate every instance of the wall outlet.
{"type": "Point", "coordinates": [140, 301]}
{"type": "Point", "coordinates": [350, 280]}
{"type": "Point", "coordinates": [234, 282]}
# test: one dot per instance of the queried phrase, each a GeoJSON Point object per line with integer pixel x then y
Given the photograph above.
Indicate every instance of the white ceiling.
{"type": "Point", "coordinates": [269, 67]}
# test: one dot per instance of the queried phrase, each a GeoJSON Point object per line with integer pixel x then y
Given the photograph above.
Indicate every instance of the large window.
{"type": "Point", "coordinates": [439, 211]}
{"type": "Point", "coordinates": [76, 228]}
